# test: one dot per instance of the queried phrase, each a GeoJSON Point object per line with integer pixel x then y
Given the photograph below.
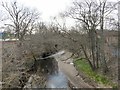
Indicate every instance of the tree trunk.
{"type": "Point", "coordinates": [93, 46]}
{"type": "Point", "coordinates": [104, 64]}
{"type": "Point", "coordinates": [97, 52]}
{"type": "Point", "coordinates": [87, 57]}
{"type": "Point", "coordinates": [102, 39]}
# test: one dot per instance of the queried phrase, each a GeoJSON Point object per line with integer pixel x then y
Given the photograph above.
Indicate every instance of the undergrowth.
{"type": "Point", "coordinates": [83, 65]}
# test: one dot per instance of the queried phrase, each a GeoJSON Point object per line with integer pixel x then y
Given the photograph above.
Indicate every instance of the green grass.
{"type": "Point", "coordinates": [83, 65]}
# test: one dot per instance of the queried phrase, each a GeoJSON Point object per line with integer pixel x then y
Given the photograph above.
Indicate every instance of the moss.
{"type": "Point", "coordinates": [83, 65]}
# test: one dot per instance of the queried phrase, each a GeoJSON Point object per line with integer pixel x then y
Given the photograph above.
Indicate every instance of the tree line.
{"type": "Point", "coordinates": [90, 16]}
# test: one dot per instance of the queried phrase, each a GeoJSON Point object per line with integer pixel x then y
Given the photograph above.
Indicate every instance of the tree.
{"type": "Point", "coordinates": [85, 12]}
{"type": "Point", "coordinates": [92, 16]}
{"type": "Point", "coordinates": [21, 18]}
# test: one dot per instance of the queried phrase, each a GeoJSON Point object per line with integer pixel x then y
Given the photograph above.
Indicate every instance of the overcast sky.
{"type": "Point", "coordinates": [48, 8]}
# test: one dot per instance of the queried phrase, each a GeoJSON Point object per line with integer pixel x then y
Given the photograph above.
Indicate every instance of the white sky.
{"type": "Point", "coordinates": [48, 8]}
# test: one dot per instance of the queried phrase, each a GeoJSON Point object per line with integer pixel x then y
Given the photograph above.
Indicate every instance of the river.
{"type": "Point", "coordinates": [58, 80]}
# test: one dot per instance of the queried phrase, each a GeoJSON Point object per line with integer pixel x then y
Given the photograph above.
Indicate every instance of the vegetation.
{"type": "Point", "coordinates": [91, 16]}
{"type": "Point", "coordinates": [89, 38]}
{"type": "Point", "coordinates": [22, 19]}
{"type": "Point", "coordinates": [83, 66]}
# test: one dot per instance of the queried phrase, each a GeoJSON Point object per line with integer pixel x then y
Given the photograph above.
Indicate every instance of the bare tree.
{"type": "Point", "coordinates": [92, 16]}
{"type": "Point", "coordinates": [85, 12]}
{"type": "Point", "coordinates": [21, 18]}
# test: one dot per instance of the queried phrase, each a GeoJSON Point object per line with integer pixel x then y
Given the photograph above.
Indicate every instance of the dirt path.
{"type": "Point", "coordinates": [65, 63]}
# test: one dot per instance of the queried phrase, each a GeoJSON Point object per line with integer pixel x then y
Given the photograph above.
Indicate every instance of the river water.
{"type": "Point", "coordinates": [58, 80]}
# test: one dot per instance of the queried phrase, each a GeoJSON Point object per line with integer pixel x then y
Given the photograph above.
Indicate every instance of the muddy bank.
{"type": "Point", "coordinates": [18, 65]}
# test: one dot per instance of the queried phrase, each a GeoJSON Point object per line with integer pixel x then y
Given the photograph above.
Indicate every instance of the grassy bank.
{"type": "Point", "coordinates": [82, 65]}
